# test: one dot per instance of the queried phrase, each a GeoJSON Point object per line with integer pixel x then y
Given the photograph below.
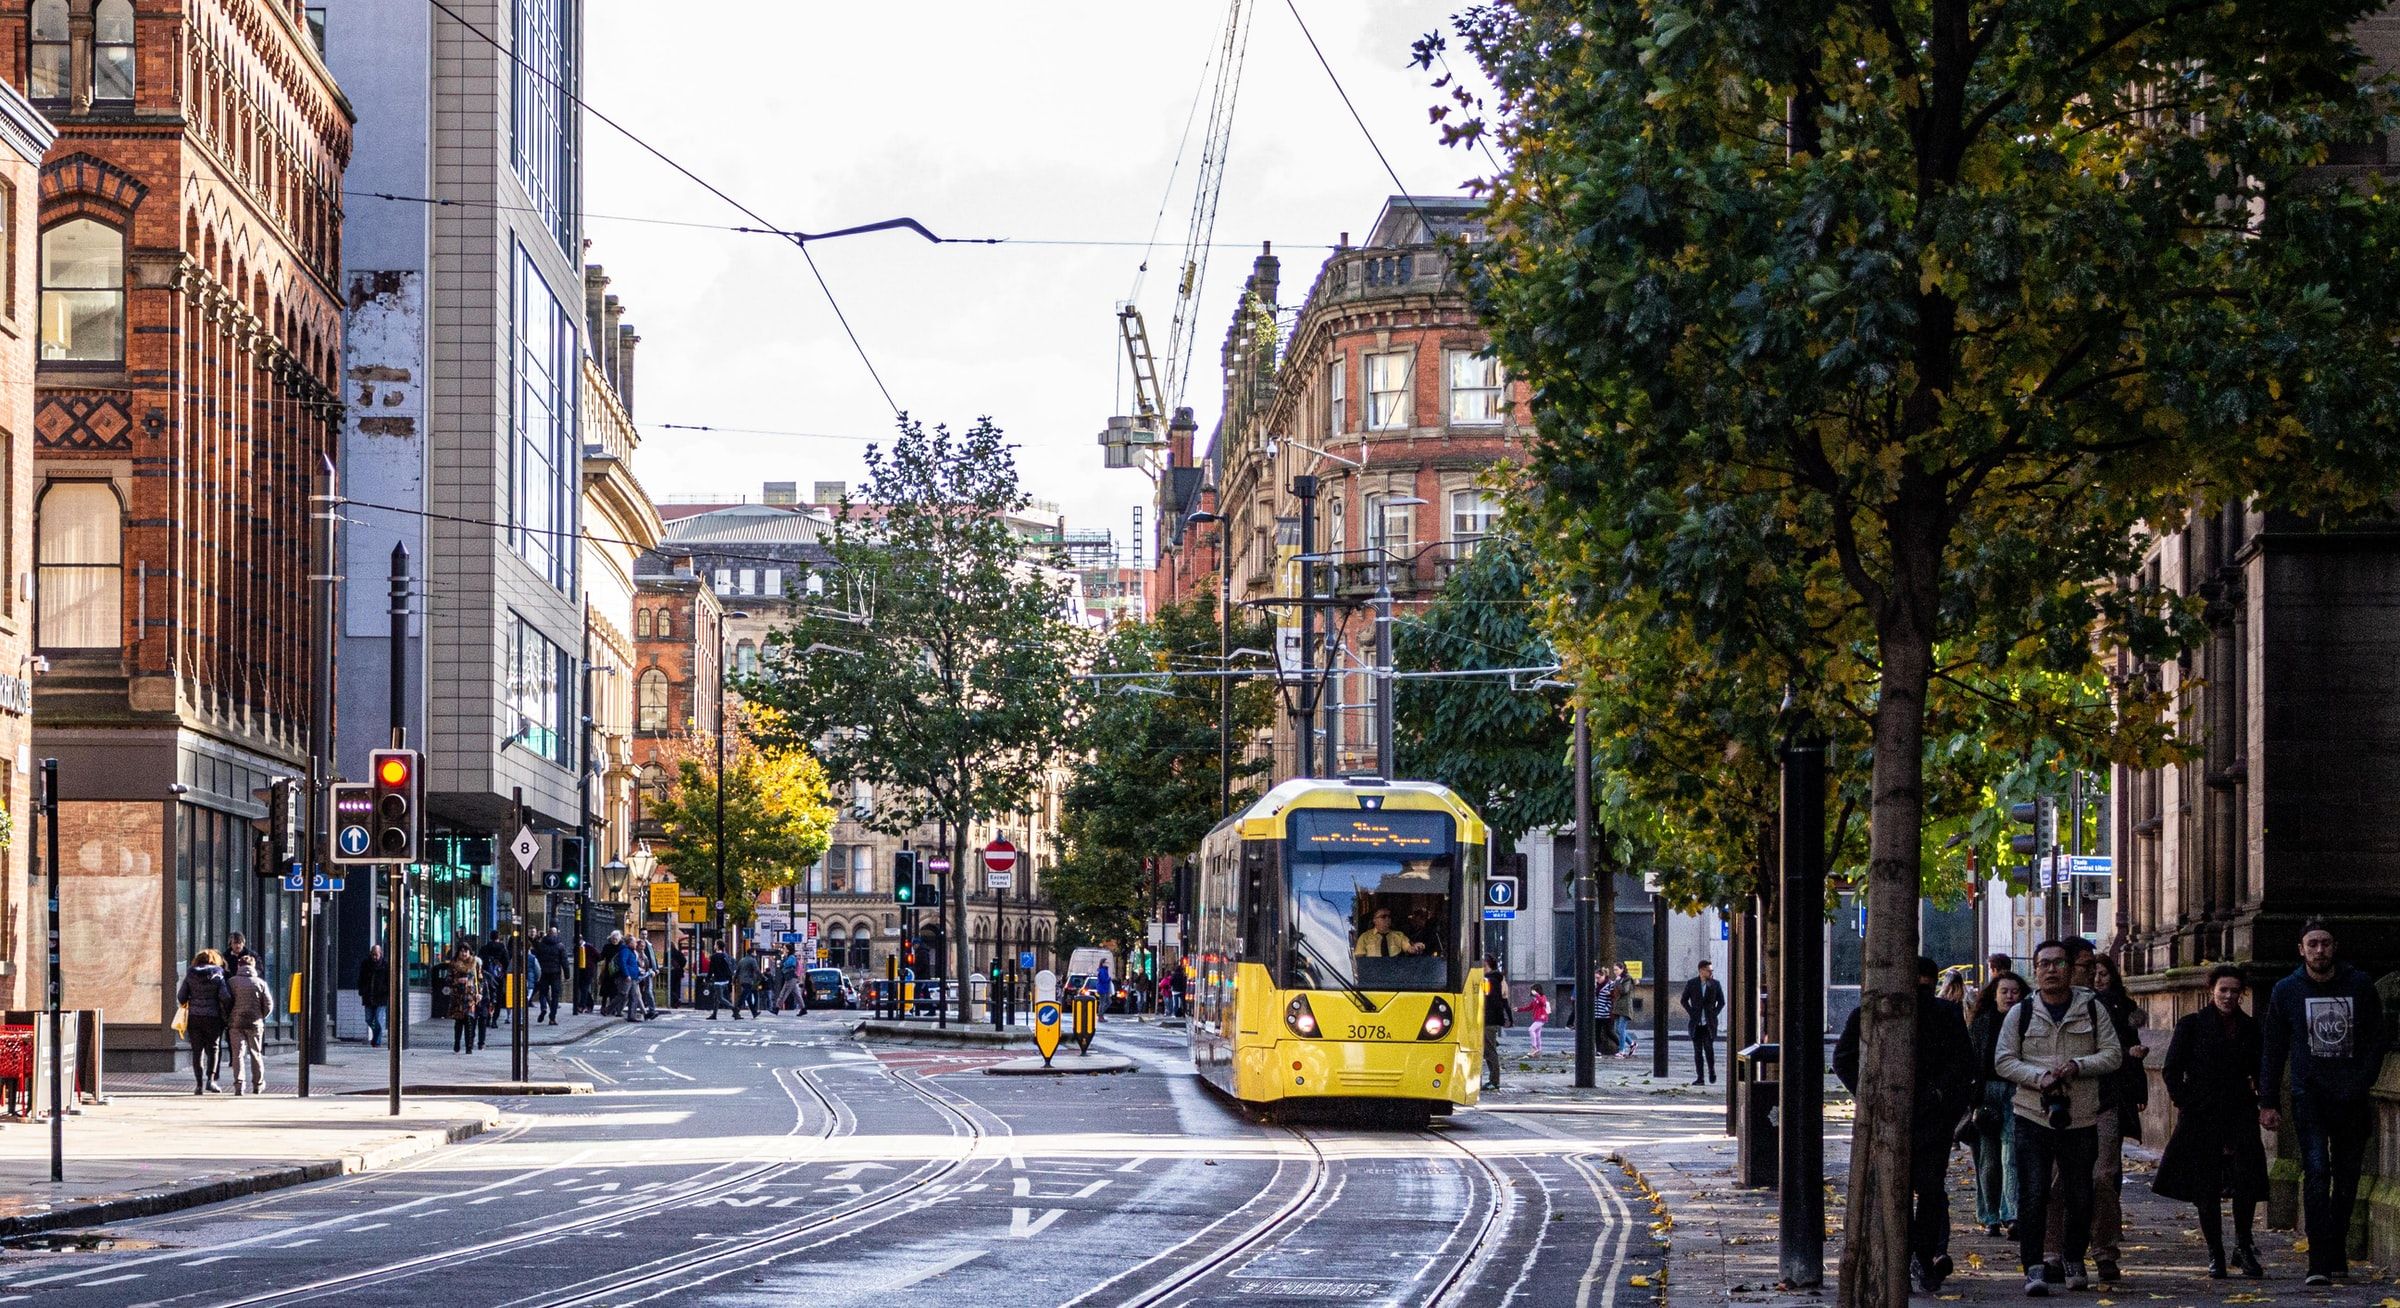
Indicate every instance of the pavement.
{"type": "Point", "coordinates": [155, 1147]}
{"type": "Point", "coordinates": [1720, 1240]}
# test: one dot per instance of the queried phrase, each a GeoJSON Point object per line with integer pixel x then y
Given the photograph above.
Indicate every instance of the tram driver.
{"type": "Point", "coordinates": [1382, 941]}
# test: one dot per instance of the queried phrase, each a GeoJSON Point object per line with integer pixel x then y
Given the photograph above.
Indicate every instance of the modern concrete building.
{"type": "Point", "coordinates": [464, 365]}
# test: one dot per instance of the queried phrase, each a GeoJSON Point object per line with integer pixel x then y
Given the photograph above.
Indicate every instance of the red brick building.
{"type": "Point", "coordinates": [188, 393]}
{"type": "Point", "coordinates": [25, 137]}
{"type": "Point", "coordinates": [1384, 393]}
{"type": "Point", "coordinates": [679, 642]}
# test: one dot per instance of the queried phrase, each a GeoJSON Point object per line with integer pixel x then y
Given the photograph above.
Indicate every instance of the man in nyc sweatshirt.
{"type": "Point", "coordinates": [2326, 1022]}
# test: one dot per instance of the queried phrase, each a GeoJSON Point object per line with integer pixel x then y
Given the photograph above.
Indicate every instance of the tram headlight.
{"type": "Point", "coordinates": [1438, 1021]}
{"type": "Point", "coordinates": [1300, 1018]}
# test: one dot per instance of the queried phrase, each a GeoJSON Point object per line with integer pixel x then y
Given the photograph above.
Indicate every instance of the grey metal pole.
{"type": "Point", "coordinates": [718, 843]}
{"type": "Point", "coordinates": [1800, 1219]}
{"type": "Point", "coordinates": [1224, 672]}
{"type": "Point", "coordinates": [1586, 1038]}
{"type": "Point", "coordinates": [1304, 752]}
{"type": "Point", "coordinates": [320, 771]}
{"type": "Point", "coordinates": [396, 933]}
{"type": "Point", "coordinates": [520, 1035]}
{"type": "Point", "coordinates": [1384, 680]}
{"type": "Point", "coordinates": [55, 981]}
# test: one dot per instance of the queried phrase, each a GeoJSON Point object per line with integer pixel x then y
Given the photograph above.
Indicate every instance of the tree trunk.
{"type": "Point", "coordinates": [1874, 1268]}
{"type": "Point", "coordinates": [959, 879]}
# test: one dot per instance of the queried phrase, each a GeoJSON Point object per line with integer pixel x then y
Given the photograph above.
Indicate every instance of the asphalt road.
{"type": "Point", "coordinates": [778, 1161]}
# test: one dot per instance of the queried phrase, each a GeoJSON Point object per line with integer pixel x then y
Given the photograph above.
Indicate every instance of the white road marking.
{"type": "Point", "coordinates": [1023, 1225]}
{"type": "Point", "coordinates": [212, 1258]}
{"type": "Point", "coordinates": [949, 1264]}
{"type": "Point", "coordinates": [297, 1243]}
{"type": "Point", "coordinates": [371, 1226]}
{"type": "Point", "coordinates": [110, 1280]}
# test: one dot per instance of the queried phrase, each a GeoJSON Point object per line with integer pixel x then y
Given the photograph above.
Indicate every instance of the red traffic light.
{"type": "Point", "coordinates": [392, 770]}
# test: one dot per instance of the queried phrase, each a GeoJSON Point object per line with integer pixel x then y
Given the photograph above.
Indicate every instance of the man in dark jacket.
{"type": "Point", "coordinates": [720, 983]}
{"type": "Point", "coordinates": [550, 955]}
{"type": "Point", "coordinates": [2326, 1021]}
{"type": "Point", "coordinates": [375, 993]}
{"type": "Point", "coordinates": [1703, 999]}
{"type": "Point", "coordinates": [1945, 1078]}
{"type": "Point", "coordinates": [1496, 1017]}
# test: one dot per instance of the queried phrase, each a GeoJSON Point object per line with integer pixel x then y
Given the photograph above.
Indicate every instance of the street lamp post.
{"type": "Point", "coordinates": [1384, 681]}
{"type": "Point", "coordinates": [1224, 659]}
{"type": "Point", "coordinates": [724, 660]}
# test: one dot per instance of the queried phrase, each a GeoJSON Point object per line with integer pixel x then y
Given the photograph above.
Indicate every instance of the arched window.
{"type": "Point", "coordinates": [83, 292]}
{"type": "Point", "coordinates": [79, 593]}
{"type": "Point", "coordinates": [641, 624]}
{"type": "Point", "coordinates": [112, 50]}
{"type": "Point", "coordinates": [651, 714]}
{"type": "Point", "coordinates": [666, 622]}
{"type": "Point", "coordinates": [861, 942]}
{"type": "Point", "coordinates": [53, 61]}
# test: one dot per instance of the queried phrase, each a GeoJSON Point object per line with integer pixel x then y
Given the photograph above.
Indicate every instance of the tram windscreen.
{"type": "Point", "coordinates": [1374, 900]}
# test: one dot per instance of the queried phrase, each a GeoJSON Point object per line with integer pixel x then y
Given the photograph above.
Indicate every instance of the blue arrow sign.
{"type": "Point", "coordinates": [351, 841]}
{"type": "Point", "coordinates": [292, 880]}
{"type": "Point", "coordinates": [1500, 893]}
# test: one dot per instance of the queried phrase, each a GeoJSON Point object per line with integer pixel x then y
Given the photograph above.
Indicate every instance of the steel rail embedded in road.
{"type": "Point", "coordinates": [533, 1234]}
{"type": "Point", "coordinates": [1223, 1255]}
{"type": "Point", "coordinates": [676, 1274]}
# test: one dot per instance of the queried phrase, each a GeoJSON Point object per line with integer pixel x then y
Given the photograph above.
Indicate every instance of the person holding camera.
{"type": "Point", "coordinates": [2057, 1048]}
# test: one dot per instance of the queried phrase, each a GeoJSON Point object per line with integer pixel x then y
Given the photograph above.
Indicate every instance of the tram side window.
{"type": "Point", "coordinates": [1258, 904]}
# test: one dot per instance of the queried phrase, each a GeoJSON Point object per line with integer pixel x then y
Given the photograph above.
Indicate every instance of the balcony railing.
{"type": "Point", "coordinates": [1389, 270]}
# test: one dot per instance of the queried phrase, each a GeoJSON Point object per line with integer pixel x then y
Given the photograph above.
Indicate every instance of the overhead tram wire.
{"type": "Point", "coordinates": [798, 239]}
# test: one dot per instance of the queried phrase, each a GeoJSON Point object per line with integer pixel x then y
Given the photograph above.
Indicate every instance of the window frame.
{"type": "Point", "coordinates": [1337, 397]}
{"type": "Point", "coordinates": [643, 719]}
{"type": "Point", "coordinates": [116, 293]}
{"type": "Point", "coordinates": [110, 597]}
{"type": "Point", "coordinates": [1495, 392]}
{"type": "Point", "coordinates": [545, 545]}
{"type": "Point", "coordinates": [64, 58]}
{"type": "Point", "coordinates": [1485, 510]}
{"type": "Point", "coordinates": [1405, 415]}
{"type": "Point", "coordinates": [130, 46]}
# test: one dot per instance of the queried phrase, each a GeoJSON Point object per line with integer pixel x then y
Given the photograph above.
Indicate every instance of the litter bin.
{"type": "Point", "coordinates": [1757, 1161]}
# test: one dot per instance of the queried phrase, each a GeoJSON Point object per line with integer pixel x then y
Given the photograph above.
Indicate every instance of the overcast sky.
{"type": "Point", "coordinates": [1049, 121]}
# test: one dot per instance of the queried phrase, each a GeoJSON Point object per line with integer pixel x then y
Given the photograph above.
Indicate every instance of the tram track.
{"type": "Point", "coordinates": [685, 1273]}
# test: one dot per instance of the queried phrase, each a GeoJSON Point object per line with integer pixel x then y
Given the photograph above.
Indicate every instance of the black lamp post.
{"type": "Point", "coordinates": [724, 661]}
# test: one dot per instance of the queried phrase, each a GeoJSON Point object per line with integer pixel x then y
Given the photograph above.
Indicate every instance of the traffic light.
{"type": "Point", "coordinates": [2041, 814]}
{"type": "Point", "coordinates": [904, 877]}
{"type": "Point", "coordinates": [278, 831]}
{"type": "Point", "coordinates": [399, 823]}
{"type": "Point", "coordinates": [571, 864]}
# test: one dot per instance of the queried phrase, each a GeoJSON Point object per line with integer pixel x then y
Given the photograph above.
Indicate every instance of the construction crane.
{"type": "Point", "coordinates": [1128, 439]}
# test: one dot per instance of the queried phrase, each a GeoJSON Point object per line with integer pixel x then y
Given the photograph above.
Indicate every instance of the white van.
{"type": "Point", "coordinates": [1083, 965]}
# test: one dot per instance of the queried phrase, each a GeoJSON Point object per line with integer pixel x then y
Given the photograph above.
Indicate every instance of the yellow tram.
{"type": "Point", "coordinates": [1332, 946]}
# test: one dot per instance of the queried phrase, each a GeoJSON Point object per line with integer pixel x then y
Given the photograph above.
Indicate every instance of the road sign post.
{"type": "Point", "coordinates": [999, 876]}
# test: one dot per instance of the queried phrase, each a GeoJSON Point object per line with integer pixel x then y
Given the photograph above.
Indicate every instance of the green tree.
{"type": "Point", "coordinates": [1145, 781]}
{"type": "Point", "coordinates": [779, 817]}
{"type": "Point", "coordinates": [1871, 339]}
{"type": "Point", "coordinates": [1500, 742]}
{"type": "Point", "coordinates": [939, 668]}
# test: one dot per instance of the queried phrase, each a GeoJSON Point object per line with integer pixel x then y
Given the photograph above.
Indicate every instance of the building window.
{"type": "Point", "coordinates": [837, 869]}
{"type": "Point", "coordinates": [112, 51]}
{"type": "Point", "coordinates": [83, 292]}
{"type": "Point", "coordinates": [1337, 404]}
{"type": "Point", "coordinates": [1473, 514]}
{"type": "Point", "coordinates": [316, 27]}
{"type": "Point", "coordinates": [773, 585]}
{"type": "Point", "coordinates": [745, 658]}
{"type": "Point", "coordinates": [53, 61]}
{"type": "Point", "coordinates": [651, 712]}
{"type": "Point", "coordinates": [860, 945]}
{"type": "Point", "coordinates": [641, 624]}
{"type": "Point", "coordinates": [8, 250]}
{"type": "Point", "coordinates": [541, 139]}
{"type": "Point", "coordinates": [538, 688]}
{"type": "Point", "coordinates": [1478, 390]}
{"type": "Point", "coordinates": [862, 873]}
{"type": "Point", "coordinates": [1390, 527]}
{"type": "Point", "coordinates": [1388, 391]}
{"type": "Point", "coordinates": [79, 569]}
{"type": "Point", "coordinates": [541, 501]}
{"type": "Point", "coordinates": [666, 622]}
{"type": "Point", "coordinates": [724, 580]}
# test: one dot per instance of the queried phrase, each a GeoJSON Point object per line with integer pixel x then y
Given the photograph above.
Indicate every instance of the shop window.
{"type": "Point", "coordinates": [83, 292]}
{"type": "Point", "coordinates": [79, 582]}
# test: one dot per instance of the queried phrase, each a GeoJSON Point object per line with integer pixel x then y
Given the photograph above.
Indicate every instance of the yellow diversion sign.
{"type": "Point", "coordinates": [1046, 1028]}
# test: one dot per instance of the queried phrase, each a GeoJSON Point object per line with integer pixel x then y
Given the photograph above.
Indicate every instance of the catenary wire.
{"type": "Point", "coordinates": [669, 160]}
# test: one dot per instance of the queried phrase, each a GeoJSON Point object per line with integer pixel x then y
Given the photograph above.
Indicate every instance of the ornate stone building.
{"type": "Point", "coordinates": [191, 330]}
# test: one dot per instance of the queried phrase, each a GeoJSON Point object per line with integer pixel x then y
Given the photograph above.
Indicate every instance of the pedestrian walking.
{"type": "Point", "coordinates": [1993, 1125]}
{"type": "Point", "coordinates": [1703, 1000]}
{"type": "Point", "coordinates": [248, 1007]}
{"type": "Point", "coordinates": [1537, 1011]}
{"type": "Point", "coordinates": [236, 949]}
{"type": "Point", "coordinates": [2056, 1048]}
{"type": "Point", "coordinates": [466, 1001]}
{"type": "Point", "coordinates": [646, 991]}
{"type": "Point", "coordinates": [629, 979]}
{"type": "Point", "coordinates": [203, 998]}
{"type": "Point", "coordinates": [551, 954]}
{"type": "Point", "coordinates": [1497, 1015]}
{"type": "Point", "coordinates": [1604, 1007]}
{"type": "Point", "coordinates": [748, 972]}
{"type": "Point", "coordinates": [2123, 1095]}
{"type": "Point", "coordinates": [2214, 1154]}
{"type": "Point", "coordinates": [375, 994]}
{"type": "Point", "coordinates": [679, 962]}
{"type": "Point", "coordinates": [787, 984]}
{"type": "Point", "coordinates": [495, 979]}
{"type": "Point", "coordinates": [1945, 1073]}
{"type": "Point", "coordinates": [2325, 1023]}
{"type": "Point", "coordinates": [1626, 1044]}
{"type": "Point", "coordinates": [720, 982]}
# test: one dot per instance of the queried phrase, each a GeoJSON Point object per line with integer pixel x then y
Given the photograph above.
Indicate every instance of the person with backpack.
{"type": "Point", "coordinates": [1994, 1132]}
{"type": "Point", "coordinates": [2324, 1023]}
{"type": "Point", "coordinates": [1627, 1042]}
{"type": "Point", "coordinates": [644, 990]}
{"type": "Point", "coordinates": [250, 1003]}
{"type": "Point", "coordinates": [2214, 1154]}
{"type": "Point", "coordinates": [1536, 1011]}
{"type": "Point", "coordinates": [1604, 1009]}
{"type": "Point", "coordinates": [2122, 1098]}
{"type": "Point", "coordinates": [551, 954]}
{"type": "Point", "coordinates": [1945, 1072]}
{"type": "Point", "coordinates": [629, 979]}
{"type": "Point", "coordinates": [2057, 1048]}
{"type": "Point", "coordinates": [205, 998]}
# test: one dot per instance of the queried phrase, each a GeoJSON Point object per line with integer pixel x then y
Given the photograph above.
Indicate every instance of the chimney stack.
{"type": "Point", "coordinates": [627, 338]}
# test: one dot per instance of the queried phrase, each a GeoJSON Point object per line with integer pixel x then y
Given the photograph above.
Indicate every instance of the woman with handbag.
{"type": "Point", "coordinates": [204, 997]}
{"type": "Point", "coordinates": [1990, 1130]}
{"type": "Point", "coordinates": [2215, 1154]}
